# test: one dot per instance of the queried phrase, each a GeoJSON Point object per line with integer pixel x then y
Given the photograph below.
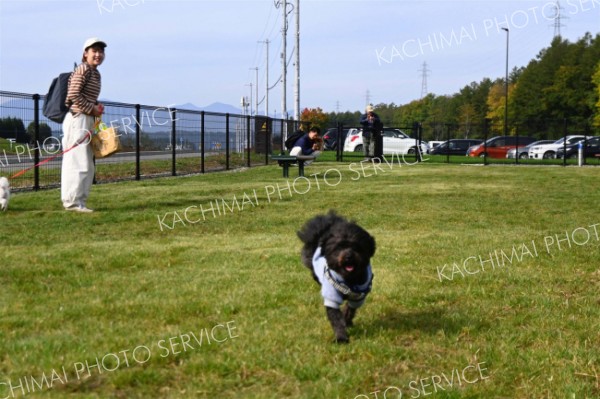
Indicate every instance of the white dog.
{"type": "Point", "coordinates": [4, 193]}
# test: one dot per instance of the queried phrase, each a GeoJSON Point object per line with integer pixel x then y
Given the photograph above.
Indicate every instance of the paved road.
{"type": "Point", "coordinates": [26, 160]}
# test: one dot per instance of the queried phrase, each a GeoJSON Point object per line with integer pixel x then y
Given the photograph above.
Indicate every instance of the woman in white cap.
{"type": "Point", "coordinates": [77, 174]}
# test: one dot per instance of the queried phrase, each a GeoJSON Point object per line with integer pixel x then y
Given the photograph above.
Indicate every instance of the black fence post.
{"type": "Point", "coordinates": [586, 133]}
{"type": "Point", "coordinates": [486, 128]}
{"type": "Point", "coordinates": [339, 151]}
{"type": "Point", "coordinates": [138, 142]}
{"type": "Point", "coordinates": [36, 141]}
{"type": "Point", "coordinates": [173, 143]}
{"type": "Point", "coordinates": [202, 141]}
{"type": "Point", "coordinates": [268, 139]}
{"type": "Point", "coordinates": [268, 128]}
{"type": "Point", "coordinates": [419, 149]}
{"type": "Point", "coordinates": [248, 152]}
{"type": "Point", "coordinates": [565, 129]}
{"type": "Point", "coordinates": [415, 133]}
{"type": "Point", "coordinates": [282, 140]}
{"type": "Point", "coordinates": [448, 126]}
{"type": "Point", "coordinates": [227, 141]}
{"type": "Point", "coordinates": [517, 148]}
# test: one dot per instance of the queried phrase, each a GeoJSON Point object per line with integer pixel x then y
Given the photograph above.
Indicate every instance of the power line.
{"type": "Point", "coordinates": [288, 63]}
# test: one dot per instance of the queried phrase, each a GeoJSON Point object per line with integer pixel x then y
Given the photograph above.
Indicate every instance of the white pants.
{"type": "Point", "coordinates": [298, 151]}
{"type": "Point", "coordinates": [77, 174]}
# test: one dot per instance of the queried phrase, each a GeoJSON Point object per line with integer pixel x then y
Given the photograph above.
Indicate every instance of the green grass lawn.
{"type": "Point", "coordinates": [132, 300]}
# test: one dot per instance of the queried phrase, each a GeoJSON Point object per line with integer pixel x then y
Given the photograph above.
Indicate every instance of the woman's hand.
{"type": "Point", "coordinates": [98, 110]}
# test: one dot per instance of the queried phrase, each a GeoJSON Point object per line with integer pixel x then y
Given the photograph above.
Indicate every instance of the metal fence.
{"type": "Point", "coordinates": [162, 141]}
{"type": "Point", "coordinates": [157, 141]}
{"type": "Point", "coordinates": [520, 135]}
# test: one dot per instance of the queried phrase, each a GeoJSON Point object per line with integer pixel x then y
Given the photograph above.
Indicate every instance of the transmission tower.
{"type": "Point", "coordinates": [557, 19]}
{"type": "Point", "coordinates": [424, 74]}
{"type": "Point", "coordinates": [368, 97]}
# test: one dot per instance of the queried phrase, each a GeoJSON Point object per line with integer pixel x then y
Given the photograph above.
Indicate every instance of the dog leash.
{"type": "Point", "coordinates": [87, 134]}
{"type": "Point", "coordinates": [52, 157]}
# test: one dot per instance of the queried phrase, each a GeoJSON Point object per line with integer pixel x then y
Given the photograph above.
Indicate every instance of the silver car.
{"type": "Point", "coordinates": [524, 151]}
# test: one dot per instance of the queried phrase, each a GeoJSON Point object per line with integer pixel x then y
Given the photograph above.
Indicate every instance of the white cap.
{"type": "Point", "coordinates": [369, 108]}
{"type": "Point", "coordinates": [91, 41]}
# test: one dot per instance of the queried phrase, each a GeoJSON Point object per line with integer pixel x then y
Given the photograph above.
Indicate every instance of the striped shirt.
{"type": "Point", "coordinates": [84, 89]}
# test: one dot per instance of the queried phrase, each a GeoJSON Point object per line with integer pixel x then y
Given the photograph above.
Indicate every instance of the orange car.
{"type": "Point", "coordinates": [498, 146]}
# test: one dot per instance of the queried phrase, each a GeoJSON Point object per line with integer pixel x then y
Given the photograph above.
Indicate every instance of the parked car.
{"type": "Point", "coordinates": [433, 144]}
{"type": "Point", "coordinates": [548, 151]}
{"type": "Point", "coordinates": [395, 141]}
{"type": "Point", "coordinates": [454, 147]}
{"type": "Point", "coordinates": [524, 151]}
{"type": "Point", "coordinates": [590, 149]}
{"type": "Point", "coordinates": [498, 146]}
{"type": "Point", "coordinates": [330, 138]}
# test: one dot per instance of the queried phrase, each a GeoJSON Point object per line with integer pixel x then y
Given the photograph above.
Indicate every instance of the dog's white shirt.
{"type": "Point", "coordinates": [331, 296]}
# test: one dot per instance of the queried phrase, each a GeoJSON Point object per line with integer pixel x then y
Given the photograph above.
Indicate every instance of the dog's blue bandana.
{"type": "Point", "coordinates": [333, 288]}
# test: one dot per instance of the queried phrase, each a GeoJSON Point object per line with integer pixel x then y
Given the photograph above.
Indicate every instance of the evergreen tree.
{"type": "Point", "coordinates": [13, 128]}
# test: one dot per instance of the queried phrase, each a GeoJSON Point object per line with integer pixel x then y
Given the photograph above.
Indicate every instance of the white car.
{"type": "Point", "coordinates": [548, 151]}
{"type": "Point", "coordinates": [395, 141]}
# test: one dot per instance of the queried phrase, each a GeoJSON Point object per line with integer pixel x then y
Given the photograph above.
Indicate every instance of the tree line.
{"type": "Point", "coordinates": [557, 91]}
{"type": "Point", "coordinates": [14, 129]}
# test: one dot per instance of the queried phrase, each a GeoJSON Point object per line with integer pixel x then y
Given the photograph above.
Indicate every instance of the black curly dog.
{"type": "Point", "coordinates": [338, 252]}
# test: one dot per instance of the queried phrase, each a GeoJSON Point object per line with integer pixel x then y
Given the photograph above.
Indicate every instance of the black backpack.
{"type": "Point", "coordinates": [289, 143]}
{"type": "Point", "coordinates": [55, 108]}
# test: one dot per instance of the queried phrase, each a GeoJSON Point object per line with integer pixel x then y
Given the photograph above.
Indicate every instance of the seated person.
{"type": "Point", "coordinates": [308, 145]}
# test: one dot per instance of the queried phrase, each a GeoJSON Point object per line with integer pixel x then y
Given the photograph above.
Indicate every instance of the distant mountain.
{"type": "Point", "coordinates": [22, 108]}
{"type": "Point", "coordinates": [214, 107]}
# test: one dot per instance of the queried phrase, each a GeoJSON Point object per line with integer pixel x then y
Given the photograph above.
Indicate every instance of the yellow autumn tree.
{"type": "Point", "coordinates": [313, 117]}
{"type": "Point", "coordinates": [496, 105]}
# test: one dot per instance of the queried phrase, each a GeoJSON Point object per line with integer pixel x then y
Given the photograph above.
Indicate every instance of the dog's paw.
{"type": "Point", "coordinates": [343, 339]}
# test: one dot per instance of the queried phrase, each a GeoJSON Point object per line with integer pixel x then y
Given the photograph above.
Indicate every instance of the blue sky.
{"type": "Point", "coordinates": [163, 52]}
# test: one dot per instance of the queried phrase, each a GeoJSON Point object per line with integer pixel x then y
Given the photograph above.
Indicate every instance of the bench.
{"type": "Point", "coordinates": [286, 160]}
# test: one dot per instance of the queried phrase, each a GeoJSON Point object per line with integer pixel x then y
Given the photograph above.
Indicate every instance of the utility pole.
{"type": "Point", "coordinates": [297, 85]}
{"type": "Point", "coordinates": [424, 74]}
{"type": "Point", "coordinates": [256, 85]}
{"type": "Point", "coordinates": [284, 61]}
{"type": "Point", "coordinates": [266, 79]}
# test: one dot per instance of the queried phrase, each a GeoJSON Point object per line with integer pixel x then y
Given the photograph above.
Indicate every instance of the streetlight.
{"type": "Point", "coordinates": [506, 87]}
